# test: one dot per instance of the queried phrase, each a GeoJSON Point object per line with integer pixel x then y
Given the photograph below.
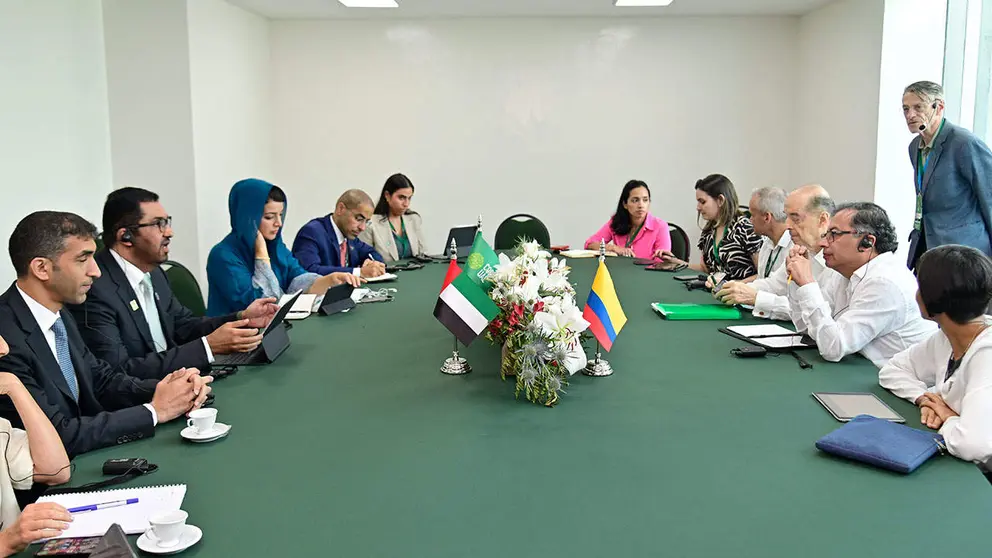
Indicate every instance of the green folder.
{"type": "Point", "coordinates": [680, 311]}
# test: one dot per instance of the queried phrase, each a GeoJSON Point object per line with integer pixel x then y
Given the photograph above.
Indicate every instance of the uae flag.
{"type": "Point", "coordinates": [463, 307]}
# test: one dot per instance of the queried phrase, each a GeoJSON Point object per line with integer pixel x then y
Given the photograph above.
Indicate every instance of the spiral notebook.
{"type": "Point", "coordinates": [133, 518]}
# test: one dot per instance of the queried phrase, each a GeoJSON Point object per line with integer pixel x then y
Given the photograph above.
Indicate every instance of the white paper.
{"type": "Point", "coordinates": [383, 277]}
{"type": "Point", "coordinates": [757, 332]}
{"type": "Point", "coordinates": [303, 306]}
{"type": "Point", "coordinates": [584, 254]}
{"type": "Point", "coordinates": [132, 518]}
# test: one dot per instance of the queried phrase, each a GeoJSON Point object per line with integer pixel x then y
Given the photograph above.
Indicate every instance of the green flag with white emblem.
{"type": "Point", "coordinates": [482, 262]}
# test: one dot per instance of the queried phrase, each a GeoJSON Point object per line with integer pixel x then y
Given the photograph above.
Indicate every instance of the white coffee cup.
{"type": "Point", "coordinates": [202, 420]}
{"type": "Point", "coordinates": [167, 528]}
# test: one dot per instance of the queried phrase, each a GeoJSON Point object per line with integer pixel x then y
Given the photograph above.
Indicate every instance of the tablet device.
{"type": "Point", "coordinates": [846, 406]}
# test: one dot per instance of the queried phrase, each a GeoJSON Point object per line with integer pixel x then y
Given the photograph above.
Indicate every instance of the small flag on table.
{"type": "Point", "coordinates": [603, 311]}
{"type": "Point", "coordinates": [481, 263]}
{"type": "Point", "coordinates": [464, 308]}
{"type": "Point", "coordinates": [449, 276]}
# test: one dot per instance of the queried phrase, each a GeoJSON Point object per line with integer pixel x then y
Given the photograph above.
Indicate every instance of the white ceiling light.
{"type": "Point", "coordinates": [641, 3]}
{"type": "Point", "coordinates": [370, 3]}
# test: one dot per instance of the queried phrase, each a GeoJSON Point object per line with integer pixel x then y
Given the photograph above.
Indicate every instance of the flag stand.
{"type": "Point", "coordinates": [599, 367]}
{"type": "Point", "coordinates": [455, 365]}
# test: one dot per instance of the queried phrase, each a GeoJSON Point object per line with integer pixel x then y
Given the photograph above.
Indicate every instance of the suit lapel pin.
{"type": "Point", "coordinates": [134, 306]}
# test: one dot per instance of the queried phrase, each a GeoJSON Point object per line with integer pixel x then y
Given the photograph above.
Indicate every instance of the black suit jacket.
{"type": "Point", "coordinates": [118, 333]}
{"type": "Point", "coordinates": [109, 410]}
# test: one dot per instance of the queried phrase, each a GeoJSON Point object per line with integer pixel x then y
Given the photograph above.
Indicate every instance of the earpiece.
{"type": "Point", "coordinates": [127, 237]}
{"type": "Point", "coordinates": [867, 243]}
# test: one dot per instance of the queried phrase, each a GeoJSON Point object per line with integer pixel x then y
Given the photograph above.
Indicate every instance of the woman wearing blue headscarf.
{"type": "Point", "coordinates": [252, 261]}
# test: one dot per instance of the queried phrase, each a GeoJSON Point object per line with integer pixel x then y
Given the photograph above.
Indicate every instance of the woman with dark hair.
{"type": "Point", "coordinates": [395, 230]}
{"type": "Point", "coordinates": [949, 375]}
{"type": "Point", "coordinates": [728, 242]}
{"type": "Point", "coordinates": [632, 231]}
{"type": "Point", "coordinates": [252, 261]}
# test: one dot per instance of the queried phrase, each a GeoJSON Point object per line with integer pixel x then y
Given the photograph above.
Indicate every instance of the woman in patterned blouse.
{"type": "Point", "coordinates": [728, 241]}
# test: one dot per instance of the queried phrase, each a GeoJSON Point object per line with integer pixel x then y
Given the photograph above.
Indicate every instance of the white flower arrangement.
{"type": "Point", "coordinates": [539, 325]}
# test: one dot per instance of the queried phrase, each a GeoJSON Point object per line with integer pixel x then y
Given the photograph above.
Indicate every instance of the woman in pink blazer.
{"type": "Point", "coordinates": [633, 231]}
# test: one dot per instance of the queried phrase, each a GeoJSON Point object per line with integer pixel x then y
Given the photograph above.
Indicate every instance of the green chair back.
{"type": "Point", "coordinates": [521, 225]}
{"type": "Point", "coordinates": [185, 287]}
{"type": "Point", "coordinates": [680, 242]}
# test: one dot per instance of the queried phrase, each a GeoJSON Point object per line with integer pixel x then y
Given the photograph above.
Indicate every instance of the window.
{"type": "Point", "coordinates": [968, 65]}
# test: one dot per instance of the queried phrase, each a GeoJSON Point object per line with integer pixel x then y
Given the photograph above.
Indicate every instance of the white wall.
{"type": "Point", "coordinates": [912, 50]}
{"type": "Point", "coordinates": [148, 76]}
{"type": "Point", "coordinates": [229, 68]}
{"type": "Point", "coordinates": [837, 115]}
{"type": "Point", "coordinates": [54, 138]}
{"type": "Point", "coordinates": [545, 116]}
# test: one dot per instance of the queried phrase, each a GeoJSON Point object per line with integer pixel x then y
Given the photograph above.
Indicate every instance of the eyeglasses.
{"type": "Point", "coordinates": [162, 223]}
{"type": "Point", "coordinates": [832, 235]}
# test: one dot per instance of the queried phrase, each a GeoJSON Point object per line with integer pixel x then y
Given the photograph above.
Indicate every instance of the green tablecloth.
{"type": "Point", "coordinates": [354, 444]}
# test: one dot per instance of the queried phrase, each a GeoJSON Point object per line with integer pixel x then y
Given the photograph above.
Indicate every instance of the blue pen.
{"type": "Point", "coordinates": [95, 507]}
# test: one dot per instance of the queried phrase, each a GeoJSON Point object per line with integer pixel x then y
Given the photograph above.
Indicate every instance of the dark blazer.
{"type": "Point", "coordinates": [316, 248]}
{"type": "Point", "coordinates": [957, 189]}
{"type": "Point", "coordinates": [117, 333]}
{"type": "Point", "coordinates": [110, 408]}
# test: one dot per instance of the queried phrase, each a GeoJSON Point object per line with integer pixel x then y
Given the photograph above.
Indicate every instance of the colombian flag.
{"type": "Point", "coordinates": [603, 311]}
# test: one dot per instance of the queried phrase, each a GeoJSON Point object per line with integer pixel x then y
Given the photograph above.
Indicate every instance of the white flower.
{"type": "Point", "coordinates": [532, 250]}
{"type": "Point", "coordinates": [526, 293]}
{"type": "Point", "coordinates": [506, 270]}
{"type": "Point", "coordinates": [562, 320]}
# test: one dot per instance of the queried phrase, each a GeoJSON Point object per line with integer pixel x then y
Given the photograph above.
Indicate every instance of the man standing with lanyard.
{"type": "Point", "coordinates": [952, 171]}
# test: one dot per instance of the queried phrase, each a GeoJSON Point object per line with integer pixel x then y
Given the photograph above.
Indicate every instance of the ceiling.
{"type": "Point", "coordinates": [332, 9]}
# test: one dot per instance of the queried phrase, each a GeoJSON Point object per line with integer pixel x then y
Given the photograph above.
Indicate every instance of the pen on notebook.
{"type": "Point", "coordinates": [105, 505]}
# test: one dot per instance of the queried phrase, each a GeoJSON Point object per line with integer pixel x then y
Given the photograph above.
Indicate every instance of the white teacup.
{"type": "Point", "coordinates": [202, 420]}
{"type": "Point", "coordinates": [167, 528]}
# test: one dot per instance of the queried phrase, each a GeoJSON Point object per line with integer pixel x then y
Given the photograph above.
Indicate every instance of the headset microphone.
{"type": "Point", "coordinates": [923, 126]}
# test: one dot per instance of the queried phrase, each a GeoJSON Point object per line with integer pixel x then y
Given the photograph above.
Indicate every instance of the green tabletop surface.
{"type": "Point", "coordinates": [354, 444]}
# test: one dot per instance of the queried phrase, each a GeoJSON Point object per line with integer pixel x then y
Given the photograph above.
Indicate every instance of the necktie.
{"type": "Point", "coordinates": [64, 358]}
{"type": "Point", "coordinates": [344, 254]}
{"type": "Point", "coordinates": [150, 311]}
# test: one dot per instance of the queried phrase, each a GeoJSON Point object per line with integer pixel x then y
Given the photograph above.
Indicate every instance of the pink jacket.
{"type": "Point", "coordinates": [653, 236]}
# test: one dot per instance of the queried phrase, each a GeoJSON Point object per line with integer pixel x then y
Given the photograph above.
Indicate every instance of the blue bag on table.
{"type": "Point", "coordinates": [882, 443]}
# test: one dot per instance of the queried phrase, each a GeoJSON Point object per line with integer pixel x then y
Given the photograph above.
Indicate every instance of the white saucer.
{"type": "Point", "coordinates": [190, 536]}
{"type": "Point", "coordinates": [218, 431]}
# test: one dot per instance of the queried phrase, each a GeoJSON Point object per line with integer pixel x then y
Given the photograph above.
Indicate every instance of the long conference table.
{"type": "Point", "coordinates": [354, 444]}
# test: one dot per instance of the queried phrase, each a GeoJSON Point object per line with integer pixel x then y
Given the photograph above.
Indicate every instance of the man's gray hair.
{"type": "Point", "coordinates": [821, 204]}
{"type": "Point", "coordinates": [929, 91]}
{"type": "Point", "coordinates": [771, 200]}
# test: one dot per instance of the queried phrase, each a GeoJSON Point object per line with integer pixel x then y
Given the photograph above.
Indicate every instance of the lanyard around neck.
{"type": "Point", "coordinates": [716, 243]}
{"type": "Point", "coordinates": [772, 259]}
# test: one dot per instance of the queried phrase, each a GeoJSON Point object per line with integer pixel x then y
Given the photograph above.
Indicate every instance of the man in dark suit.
{"type": "Point", "coordinates": [131, 317]}
{"type": "Point", "coordinates": [952, 172]}
{"type": "Point", "coordinates": [91, 404]}
{"type": "Point", "coordinates": [330, 244]}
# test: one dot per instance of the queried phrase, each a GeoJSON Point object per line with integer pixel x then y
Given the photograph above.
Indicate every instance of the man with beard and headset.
{"type": "Point", "coordinates": [131, 318]}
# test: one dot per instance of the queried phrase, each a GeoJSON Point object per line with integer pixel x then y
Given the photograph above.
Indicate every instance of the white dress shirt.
{"type": "Point", "coordinates": [342, 239]}
{"type": "Point", "coordinates": [16, 471]}
{"type": "Point", "coordinates": [45, 319]}
{"type": "Point", "coordinates": [875, 312]}
{"type": "Point", "coordinates": [968, 392]}
{"type": "Point", "coordinates": [772, 301]}
{"type": "Point", "coordinates": [766, 304]}
{"type": "Point", "coordinates": [135, 277]}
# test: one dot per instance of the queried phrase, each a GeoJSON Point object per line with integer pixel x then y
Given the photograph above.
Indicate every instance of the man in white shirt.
{"type": "Point", "coordinates": [869, 305]}
{"type": "Point", "coordinates": [807, 210]}
{"type": "Point", "coordinates": [132, 319]}
{"type": "Point", "coordinates": [949, 376]}
{"type": "Point", "coordinates": [90, 404]}
{"type": "Point", "coordinates": [33, 454]}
